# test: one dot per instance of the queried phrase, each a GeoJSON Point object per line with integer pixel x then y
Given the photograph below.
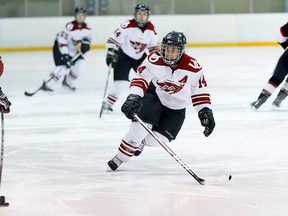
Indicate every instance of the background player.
{"type": "Point", "coordinates": [65, 47]}
{"type": "Point", "coordinates": [4, 102]}
{"type": "Point", "coordinates": [166, 83]}
{"type": "Point", "coordinates": [278, 76]}
{"type": "Point", "coordinates": [126, 50]}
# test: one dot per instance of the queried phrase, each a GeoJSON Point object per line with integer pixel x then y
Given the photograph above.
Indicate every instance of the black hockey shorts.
{"type": "Point", "coordinates": [281, 69]}
{"type": "Point", "coordinates": [165, 121]}
{"type": "Point", "coordinates": [57, 55]}
{"type": "Point", "coordinates": [124, 65]}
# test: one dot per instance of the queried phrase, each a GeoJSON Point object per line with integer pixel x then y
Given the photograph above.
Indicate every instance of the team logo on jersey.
{"type": "Point", "coordinates": [140, 69]}
{"type": "Point", "coordinates": [138, 46]}
{"type": "Point", "coordinates": [172, 86]}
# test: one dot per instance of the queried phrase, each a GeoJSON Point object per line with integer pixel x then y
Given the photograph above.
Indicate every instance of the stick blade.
{"type": "Point", "coordinates": [217, 181]}
{"type": "Point", "coordinates": [28, 94]}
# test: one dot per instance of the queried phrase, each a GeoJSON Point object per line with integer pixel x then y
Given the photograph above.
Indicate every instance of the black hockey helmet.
{"type": "Point", "coordinates": [80, 18]}
{"type": "Point", "coordinates": [173, 42]}
{"type": "Point", "coordinates": [143, 7]}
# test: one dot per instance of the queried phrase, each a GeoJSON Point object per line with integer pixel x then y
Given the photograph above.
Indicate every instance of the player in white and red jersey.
{"type": "Point", "coordinates": [126, 50]}
{"type": "Point", "coordinates": [167, 83]}
{"type": "Point", "coordinates": [278, 76]}
{"type": "Point", "coordinates": [65, 48]}
{"type": "Point", "coordinates": [4, 102]}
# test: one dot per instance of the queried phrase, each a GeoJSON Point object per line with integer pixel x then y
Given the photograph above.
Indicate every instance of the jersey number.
{"type": "Point", "coordinates": [194, 64]}
{"type": "Point", "coordinates": [202, 82]}
{"type": "Point", "coordinates": [64, 35]}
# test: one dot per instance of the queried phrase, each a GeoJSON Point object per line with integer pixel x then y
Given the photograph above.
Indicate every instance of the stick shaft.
{"type": "Point", "coordinates": [198, 179]}
{"type": "Point", "coordinates": [2, 145]}
{"type": "Point", "coordinates": [105, 89]}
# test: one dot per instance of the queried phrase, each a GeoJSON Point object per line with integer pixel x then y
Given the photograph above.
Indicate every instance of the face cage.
{"type": "Point", "coordinates": [169, 61]}
{"type": "Point", "coordinates": [141, 23]}
{"type": "Point", "coordinates": [80, 20]}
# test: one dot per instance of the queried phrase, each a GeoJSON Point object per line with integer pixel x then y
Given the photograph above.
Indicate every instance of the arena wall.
{"type": "Point", "coordinates": [30, 34]}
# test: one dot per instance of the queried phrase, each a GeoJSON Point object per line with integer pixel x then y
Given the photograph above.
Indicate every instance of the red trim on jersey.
{"type": "Point", "coordinates": [133, 24]}
{"type": "Point", "coordinates": [156, 61]}
{"type": "Point", "coordinates": [186, 63]}
{"type": "Point", "coordinates": [200, 103]}
{"type": "Point", "coordinates": [111, 40]}
{"type": "Point", "coordinates": [189, 63]}
{"type": "Point", "coordinates": [201, 99]}
{"type": "Point", "coordinates": [76, 27]}
{"type": "Point", "coordinates": [200, 95]}
{"type": "Point", "coordinates": [141, 83]}
{"type": "Point", "coordinates": [150, 26]}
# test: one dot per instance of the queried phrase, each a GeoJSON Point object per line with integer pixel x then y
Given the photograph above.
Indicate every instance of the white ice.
{"type": "Point", "coordinates": [57, 148]}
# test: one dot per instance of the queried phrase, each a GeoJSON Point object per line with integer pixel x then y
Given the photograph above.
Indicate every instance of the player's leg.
{"type": "Point", "coordinates": [128, 145]}
{"type": "Point", "coordinates": [279, 75]}
{"type": "Point", "coordinates": [281, 95]}
{"type": "Point", "coordinates": [78, 68]}
{"type": "Point", "coordinates": [121, 80]}
{"type": "Point", "coordinates": [55, 75]}
{"type": "Point", "coordinates": [150, 113]}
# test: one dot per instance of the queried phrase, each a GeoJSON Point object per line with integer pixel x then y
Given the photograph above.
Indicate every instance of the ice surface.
{"type": "Point", "coordinates": [56, 148]}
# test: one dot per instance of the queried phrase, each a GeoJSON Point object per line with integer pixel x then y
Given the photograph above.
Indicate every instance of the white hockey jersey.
{"type": "Point", "coordinates": [176, 88]}
{"type": "Point", "coordinates": [134, 40]}
{"type": "Point", "coordinates": [70, 37]}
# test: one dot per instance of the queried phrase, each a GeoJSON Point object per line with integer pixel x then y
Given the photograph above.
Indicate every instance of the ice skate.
{"type": "Point", "coordinates": [114, 163]}
{"type": "Point", "coordinates": [140, 149]}
{"type": "Point", "coordinates": [66, 85]}
{"type": "Point", "coordinates": [261, 100]}
{"type": "Point", "coordinates": [280, 97]}
{"type": "Point", "coordinates": [45, 87]}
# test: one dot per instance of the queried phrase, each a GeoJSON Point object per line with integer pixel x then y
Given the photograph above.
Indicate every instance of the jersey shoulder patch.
{"type": "Point", "coordinates": [70, 26]}
{"type": "Point", "coordinates": [155, 58]}
{"type": "Point", "coordinates": [189, 63]}
{"type": "Point", "coordinates": [128, 24]}
{"type": "Point", "coordinates": [150, 26]}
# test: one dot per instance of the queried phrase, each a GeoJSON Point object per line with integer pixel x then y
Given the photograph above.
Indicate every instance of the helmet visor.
{"type": "Point", "coordinates": [171, 54]}
{"type": "Point", "coordinates": [141, 17]}
{"type": "Point", "coordinates": [80, 17]}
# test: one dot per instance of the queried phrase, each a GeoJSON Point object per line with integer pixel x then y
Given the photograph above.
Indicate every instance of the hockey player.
{"type": "Point", "coordinates": [4, 102]}
{"type": "Point", "coordinates": [126, 50]}
{"type": "Point", "coordinates": [165, 85]}
{"type": "Point", "coordinates": [65, 48]}
{"type": "Point", "coordinates": [278, 76]}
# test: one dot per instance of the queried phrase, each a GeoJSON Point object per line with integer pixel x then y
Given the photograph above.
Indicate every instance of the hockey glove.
{"type": "Point", "coordinates": [132, 105]}
{"type": "Point", "coordinates": [1, 67]}
{"type": "Point", "coordinates": [207, 120]}
{"type": "Point", "coordinates": [67, 60]}
{"type": "Point", "coordinates": [85, 45]}
{"type": "Point", "coordinates": [4, 102]}
{"type": "Point", "coordinates": [112, 57]}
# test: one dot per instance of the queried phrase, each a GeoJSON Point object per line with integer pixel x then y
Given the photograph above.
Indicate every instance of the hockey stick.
{"type": "Point", "coordinates": [44, 83]}
{"type": "Point", "coordinates": [105, 90]}
{"type": "Point", "coordinates": [197, 178]}
{"type": "Point", "coordinates": [2, 198]}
